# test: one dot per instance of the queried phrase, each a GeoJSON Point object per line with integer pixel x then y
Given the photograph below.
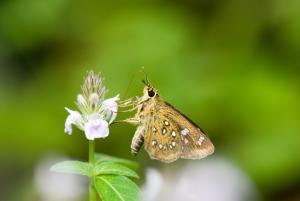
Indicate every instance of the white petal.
{"type": "Point", "coordinates": [111, 104]}
{"type": "Point", "coordinates": [110, 107]}
{"type": "Point", "coordinates": [68, 125]}
{"type": "Point", "coordinates": [75, 118]}
{"type": "Point", "coordinates": [96, 127]}
{"type": "Point", "coordinates": [112, 117]}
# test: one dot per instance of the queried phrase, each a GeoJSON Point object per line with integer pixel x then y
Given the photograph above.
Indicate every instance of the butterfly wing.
{"type": "Point", "coordinates": [161, 141]}
{"type": "Point", "coordinates": [171, 135]}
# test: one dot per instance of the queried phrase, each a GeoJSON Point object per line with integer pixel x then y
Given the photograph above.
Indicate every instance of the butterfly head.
{"type": "Point", "coordinates": [150, 92]}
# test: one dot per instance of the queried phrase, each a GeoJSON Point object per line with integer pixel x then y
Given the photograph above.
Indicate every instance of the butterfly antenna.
{"type": "Point", "coordinates": [129, 84]}
{"type": "Point", "coordinates": [146, 81]}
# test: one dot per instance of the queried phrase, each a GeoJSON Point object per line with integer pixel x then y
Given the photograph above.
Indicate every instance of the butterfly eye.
{"type": "Point", "coordinates": [151, 93]}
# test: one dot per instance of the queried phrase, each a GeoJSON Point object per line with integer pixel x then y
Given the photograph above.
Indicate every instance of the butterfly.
{"type": "Point", "coordinates": [166, 133]}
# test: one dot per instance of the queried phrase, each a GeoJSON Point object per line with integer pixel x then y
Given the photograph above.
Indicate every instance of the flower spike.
{"type": "Point", "coordinates": [96, 113]}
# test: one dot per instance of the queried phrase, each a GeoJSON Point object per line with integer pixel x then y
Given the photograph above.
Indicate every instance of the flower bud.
{"type": "Point", "coordinates": [81, 100]}
{"type": "Point", "coordinates": [94, 98]}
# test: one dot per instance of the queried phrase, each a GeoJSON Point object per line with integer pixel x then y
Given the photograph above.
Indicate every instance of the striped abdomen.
{"type": "Point", "coordinates": [137, 140]}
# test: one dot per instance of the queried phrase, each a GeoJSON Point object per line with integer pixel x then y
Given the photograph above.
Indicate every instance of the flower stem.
{"type": "Point", "coordinates": [91, 151]}
{"type": "Point", "coordinates": [92, 191]}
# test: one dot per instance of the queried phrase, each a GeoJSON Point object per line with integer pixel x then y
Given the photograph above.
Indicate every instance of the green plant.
{"type": "Point", "coordinates": [110, 177]}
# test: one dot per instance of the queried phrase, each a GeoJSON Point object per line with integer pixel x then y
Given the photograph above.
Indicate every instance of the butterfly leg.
{"type": "Point", "coordinates": [133, 121]}
{"type": "Point", "coordinates": [130, 102]}
{"type": "Point", "coordinates": [131, 109]}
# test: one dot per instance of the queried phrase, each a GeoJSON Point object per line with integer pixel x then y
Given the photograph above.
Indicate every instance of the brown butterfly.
{"type": "Point", "coordinates": [166, 133]}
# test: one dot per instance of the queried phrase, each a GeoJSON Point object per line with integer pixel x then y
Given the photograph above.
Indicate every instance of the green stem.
{"type": "Point", "coordinates": [92, 191]}
{"type": "Point", "coordinates": [91, 151]}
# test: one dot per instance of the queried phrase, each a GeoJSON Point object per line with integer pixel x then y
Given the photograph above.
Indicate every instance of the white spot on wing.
{"type": "Point", "coordinates": [173, 133]}
{"type": "Point", "coordinates": [164, 130]}
{"type": "Point", "coordinates": [166, 123]}
{"type": "Point", "coordinates": [184, 131]}
{"type": "Point", "coordinates": [201, 139]}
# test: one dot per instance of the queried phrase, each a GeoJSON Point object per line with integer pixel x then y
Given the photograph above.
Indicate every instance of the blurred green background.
{"type": "Point", "coordinates": [231, 66]}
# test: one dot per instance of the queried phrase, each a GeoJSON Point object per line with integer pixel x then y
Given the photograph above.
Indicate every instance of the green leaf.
{"type": "Point", "coordinates": [116, 188]}
{"type": "Point", "coordinates": [72, 167]}
{"type": "Point", "coordinates": [114, 168]}
{"type": "Point", "coordinates": [106, 158]}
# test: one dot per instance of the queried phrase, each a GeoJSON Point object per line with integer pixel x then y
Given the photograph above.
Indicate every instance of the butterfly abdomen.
{"type": "Point", "coordinates": [137, 140]}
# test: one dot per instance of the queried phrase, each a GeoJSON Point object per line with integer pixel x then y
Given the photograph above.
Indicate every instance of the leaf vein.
{"type": "Point", "coordinates": [113, 188]}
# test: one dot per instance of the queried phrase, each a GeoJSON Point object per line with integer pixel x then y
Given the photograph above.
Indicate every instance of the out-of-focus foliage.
{"type": "Point", "coordinates": [232, 66]}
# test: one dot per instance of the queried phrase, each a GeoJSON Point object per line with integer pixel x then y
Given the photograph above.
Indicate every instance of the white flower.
{"type": "Point", "coordinates": [110, 106]}
{"type": "Point", "coordinates": [73, 118]}
{"type": "Point", "coordinates": [95, 114]}
{"type": "Point", "coordinates": [96, 127]}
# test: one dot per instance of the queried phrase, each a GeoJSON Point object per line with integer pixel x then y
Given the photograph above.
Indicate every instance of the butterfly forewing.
{"type": "Point", "coordinates": [171, 135]}
{"type": "Point", "coordinates": [162, 141]}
